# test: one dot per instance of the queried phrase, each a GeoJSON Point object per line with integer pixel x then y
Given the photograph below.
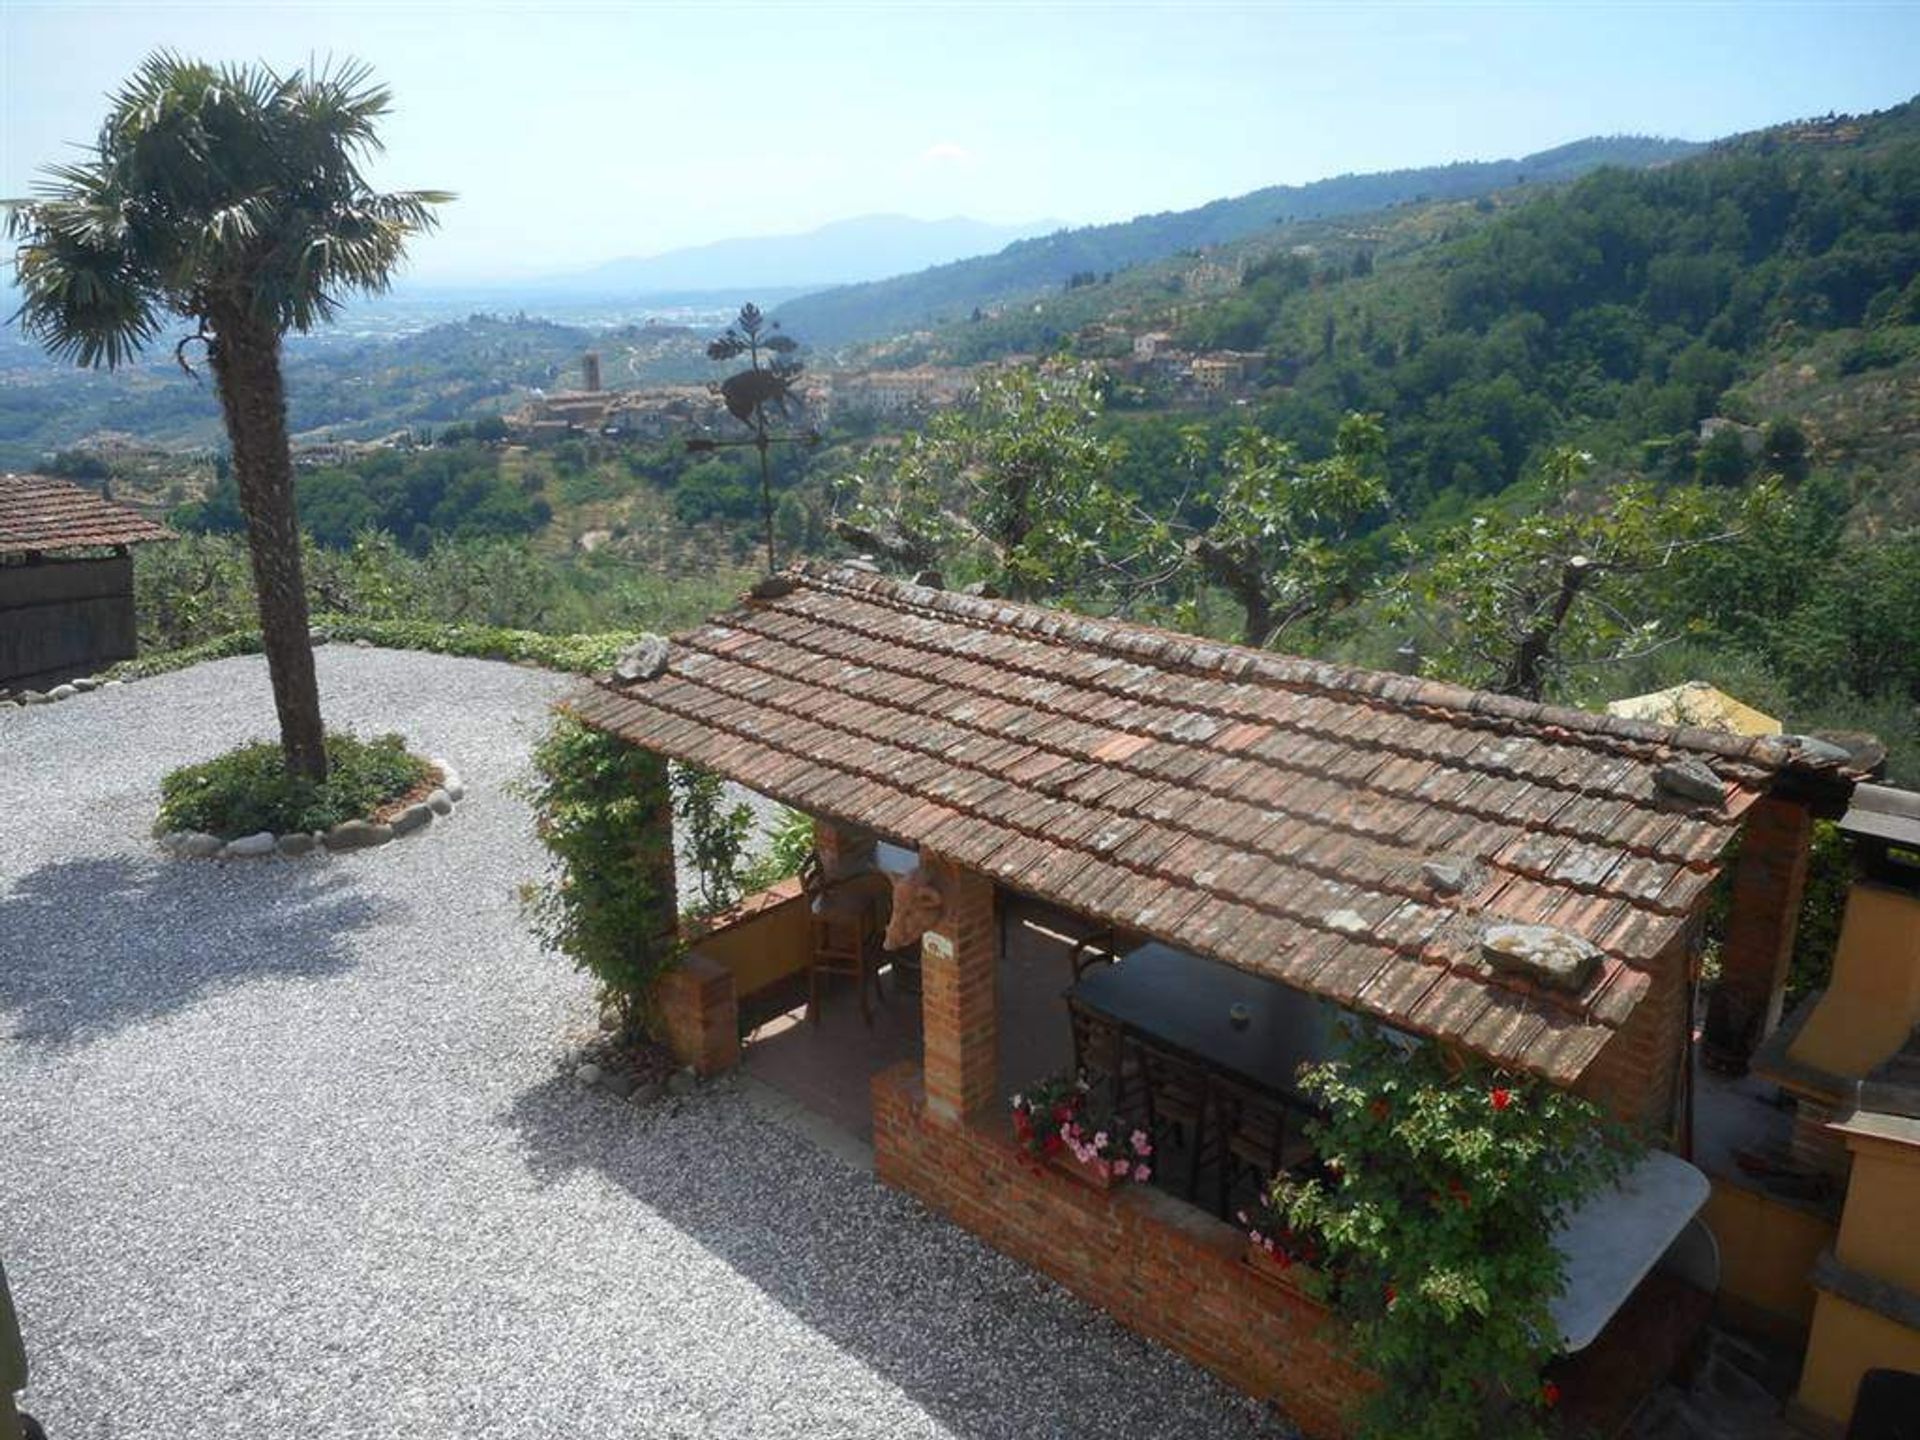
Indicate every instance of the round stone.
{"type": "Point", "coordinates": [33, 697]}
{"type": "Point", "coordinates": [358, 835]}
{"type": "Point", "coordinates": [440, 803]}
{"type": "Point", "coordinates": [297, 844]}
{"type": "Point", "coordinates": [249, 847]}
{"type": "Point", "coordinates": [588, 1074]}
{"type": "Point", "coordinates": [410, 819]}
{"type": "Point", "coordinates": [62, 692]}
{"type": "Point", "coordinates": [86, 683]}
{"type": "Point", "coordinates": [196, 845]}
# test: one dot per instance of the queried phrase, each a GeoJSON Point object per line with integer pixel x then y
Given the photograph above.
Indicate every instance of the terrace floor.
{"type": "Point", "coordinates": [826, 1068]}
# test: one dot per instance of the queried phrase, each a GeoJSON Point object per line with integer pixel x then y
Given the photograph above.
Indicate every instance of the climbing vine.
{"type": "Point", "coordinates": [598, 805]}
{"type": "Point", "coordinates": [1441, 1186]}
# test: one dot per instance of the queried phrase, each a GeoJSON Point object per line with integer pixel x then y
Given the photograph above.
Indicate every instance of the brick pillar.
{"type": "Point", "coordinates": [1762, 916]}
{"type": "Point", "coordinates": [699, 1014]}
{"type": "Point", "coordinates": [843, 849]}
{"type": "Point", "coordinates": [654, 855]}
{"type": "Point", "coordinates": [959, 995]}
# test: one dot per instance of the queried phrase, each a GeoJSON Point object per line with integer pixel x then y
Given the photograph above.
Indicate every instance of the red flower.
{"type": "Point", "coordinates": [1052, 1145]}
{"type": "Point", "coordinates": [1549, 1394]}
{"type": "Point", "coordinates": [1393, 1294]}
{"type": "Point", "coordinates": [1502, 1097]}
{"type": "Point", "coordinates": [1380, 1109]}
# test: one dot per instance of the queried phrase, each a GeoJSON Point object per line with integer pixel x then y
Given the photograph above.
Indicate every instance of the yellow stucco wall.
{"type": "Point", "coordinates": [1880, 1232]}
{"type": "Point", "coordinates": [1873, 1000]}
{"type": "Point", "coordinates": [763, 947]}
{"type": "Point", "coordinates": [1847, 1342]}
{"type": "Point", "coordinates": [1767, 1251]}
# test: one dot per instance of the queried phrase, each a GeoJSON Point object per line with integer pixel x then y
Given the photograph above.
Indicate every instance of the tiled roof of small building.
{"type": "Point", "coordinates": [39, 513]}
{"type": "Point", "coordinates": [1271, 812]}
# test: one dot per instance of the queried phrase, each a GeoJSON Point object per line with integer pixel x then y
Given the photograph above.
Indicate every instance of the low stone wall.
{"type": "Point", "coordinates": [1159, 1266]}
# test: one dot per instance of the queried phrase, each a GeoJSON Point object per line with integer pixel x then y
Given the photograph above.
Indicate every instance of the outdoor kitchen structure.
{"type": "Point", "coordinates": [1222, 854]}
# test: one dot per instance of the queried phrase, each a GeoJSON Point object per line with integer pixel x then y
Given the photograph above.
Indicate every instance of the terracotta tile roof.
{"type": "Point", "coordinates": [38, 512]}
{"type": "Point", "coordinates": [1271, 812]}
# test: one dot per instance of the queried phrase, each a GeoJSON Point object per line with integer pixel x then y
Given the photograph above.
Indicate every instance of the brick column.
{"type": "Point", "coordinates": [699, 1014]}
{"type": "Point", "coordinates": [1763, 913]}
{"type": "Point", "coordinates": [959, 995]}
{"type": "Point", "coordinates": [843, 849]}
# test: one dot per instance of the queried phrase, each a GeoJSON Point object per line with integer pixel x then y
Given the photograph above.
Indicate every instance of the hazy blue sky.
{"type": "Point", "coordinates": [579, 132]}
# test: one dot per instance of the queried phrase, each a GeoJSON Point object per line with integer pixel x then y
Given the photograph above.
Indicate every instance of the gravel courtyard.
{"type": "Point", "coordinates": [286, 1148]}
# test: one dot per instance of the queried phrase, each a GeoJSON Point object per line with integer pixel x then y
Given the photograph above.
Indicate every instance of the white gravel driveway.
{"type": "Point", "coordinates": [285, 1149]}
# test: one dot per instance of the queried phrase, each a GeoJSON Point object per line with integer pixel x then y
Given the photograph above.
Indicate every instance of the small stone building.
{"type": "Point", "coordinates": [66, 580]}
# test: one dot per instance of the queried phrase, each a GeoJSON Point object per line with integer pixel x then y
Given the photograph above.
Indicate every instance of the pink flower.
{"type": "Point", "coordinates": [1141, 1144]}
{"type": "Point", "coordinates": [1100, 1140]}
{"type": "Point", "coordinates": [1142, 1174]}
{"type": "Point", "coordinates": [1120, 1169]}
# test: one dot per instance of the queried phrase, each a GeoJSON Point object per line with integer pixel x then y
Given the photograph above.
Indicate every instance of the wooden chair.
{"type": "Point", "coordinates": [1253, 1135]}
{"type": "Point", "coordinates": [1101, 1057]}
{"type": "Point", "coordinates": [844, 933]}
{"type": "Point", "coordinates": [1176, 1099]}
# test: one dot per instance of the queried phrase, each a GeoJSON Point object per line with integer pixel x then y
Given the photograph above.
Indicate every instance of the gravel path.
{"type": "Point", "coordinates": [285, 1147]}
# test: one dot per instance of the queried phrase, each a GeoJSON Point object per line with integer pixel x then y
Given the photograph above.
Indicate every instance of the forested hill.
{"type": "Point", "coordinates": [1775, 277]}
{"type": "Point", "coordinates": [882, 308]}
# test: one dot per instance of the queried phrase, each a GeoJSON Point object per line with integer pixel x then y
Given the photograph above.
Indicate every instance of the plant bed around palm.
{"type": "Point", "coordinates": [248, 790]}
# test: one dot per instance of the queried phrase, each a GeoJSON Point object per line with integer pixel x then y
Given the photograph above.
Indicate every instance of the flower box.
{"type": "Point", "coordinates": [1276, 1267]}
{"type": "Point", "coordinates": [1095, 1172]}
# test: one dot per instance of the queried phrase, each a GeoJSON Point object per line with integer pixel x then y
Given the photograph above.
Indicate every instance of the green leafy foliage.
{"type": "Point", "coordinates": [597, 807]}
{"type": "Point", "coordinates": [199, 588]}
{"type": "Point", "coordinates": [1510, 604]}
{"type": "Point", "coordinates": [789, 841]}
{"type": "Point", "coordinates": [1012, 486]}
{"type": "Point", "coordinates": [249, 790]}
{"type": "Point", "coordinates": [717, 830]}
{"type": "Point", "coordinates": [418, 496]}
{"type": "Point", "coordinates": [1277, 540]}
{"type": "Point", "coordinates": [1443, 1183]}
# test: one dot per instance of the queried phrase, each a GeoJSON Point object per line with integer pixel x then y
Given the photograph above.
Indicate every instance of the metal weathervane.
{"type": "Point", "coordinates": [749, 394]}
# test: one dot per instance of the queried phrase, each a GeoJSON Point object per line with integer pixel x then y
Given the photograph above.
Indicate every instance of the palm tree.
{"type": "Point", "coordinates": [230, 197]}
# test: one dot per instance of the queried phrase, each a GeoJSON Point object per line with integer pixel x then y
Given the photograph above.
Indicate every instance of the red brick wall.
{"type": "Point", "coordinates": [843, 850]}
{"type": "Point", "coordinates": [699, 1015]}
{"type": "Point", "coordinates": [1762, 916]}
{"type": "Point", "coordinates": [1166, 1269]}
{"type": "Point", "coordinates": [959, 995]}
{"type": "Point", "coordinates": [1637, 1072]}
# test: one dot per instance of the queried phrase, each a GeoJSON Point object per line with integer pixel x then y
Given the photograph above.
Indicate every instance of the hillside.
{"type": "Point", "coordinates": [481, 365]}
{"type": "Point", "coordinates": [1770, 278]}
{"type": "Point", "coordinates": [878, 309]}
{"type": "Point", "coordinates": [866, 247]}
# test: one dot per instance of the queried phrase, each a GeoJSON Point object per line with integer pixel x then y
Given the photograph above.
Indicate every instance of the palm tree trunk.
{"type": "Point", "coordinates": [245, 357]}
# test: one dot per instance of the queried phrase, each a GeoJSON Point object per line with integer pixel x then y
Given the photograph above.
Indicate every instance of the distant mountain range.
{"type": "Point", "coordinates": [866, 247]}
{"type": "Point", "coordinates": [879, 308]}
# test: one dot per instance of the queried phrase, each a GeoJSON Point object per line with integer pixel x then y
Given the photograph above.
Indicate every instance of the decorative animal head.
{"type": "Point", "coordinates": [917, 906]}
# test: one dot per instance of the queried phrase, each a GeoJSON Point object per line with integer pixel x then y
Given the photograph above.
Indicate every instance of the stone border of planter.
{"type": "Point", "coordinates": [20, 699]}
{"type": "Point", "coordinates": [347, 835]}
{"type": "Point", "coordinates": [591, 1075]}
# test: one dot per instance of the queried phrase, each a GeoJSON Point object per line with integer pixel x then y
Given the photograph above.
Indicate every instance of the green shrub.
{"type": "Point", "coordinates": [575, 654]}
{"type": "Point", "coordinates": [1443, 1185]}
{"type": "Point", "coordinates": [249, 790]}
{"type": "Point", "coordinates": [597, 803]}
